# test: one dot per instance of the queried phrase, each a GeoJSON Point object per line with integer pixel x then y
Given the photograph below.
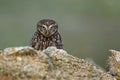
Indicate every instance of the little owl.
{"type": "Point", "coordinates": [46, 35]}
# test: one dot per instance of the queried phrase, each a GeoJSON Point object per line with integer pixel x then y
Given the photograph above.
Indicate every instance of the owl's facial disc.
{"type": "Point", "coordinates": [47, 30]}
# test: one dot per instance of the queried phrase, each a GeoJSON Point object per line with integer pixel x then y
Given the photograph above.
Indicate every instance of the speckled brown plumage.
{"type": "Point", "coordinates": [46, 35]}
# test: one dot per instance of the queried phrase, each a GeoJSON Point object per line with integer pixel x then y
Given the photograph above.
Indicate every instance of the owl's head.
{"type": "Point", "coordinates": [47, 27]}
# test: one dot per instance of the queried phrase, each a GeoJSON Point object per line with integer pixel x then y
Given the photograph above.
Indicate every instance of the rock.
{"type": "Point", "coordinates": [25, 63]}
{"type": "Point", "coordinates": [113, 62]}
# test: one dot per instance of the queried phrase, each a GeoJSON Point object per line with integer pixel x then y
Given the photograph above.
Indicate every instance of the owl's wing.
{"type": "Point", "coordinates": [35, 42]}
{"type": "Point", "coordinates": [59, 43]}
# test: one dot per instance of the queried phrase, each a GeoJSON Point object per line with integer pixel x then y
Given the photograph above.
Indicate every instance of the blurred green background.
{"type": "Point", "coordinates": [89, 28]}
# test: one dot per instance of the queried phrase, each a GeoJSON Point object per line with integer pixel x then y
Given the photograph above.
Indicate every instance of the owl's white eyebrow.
{"type": "Point", "coordinates": [45, 26]}
{"type": "Point", "coordinates": [51, 26]}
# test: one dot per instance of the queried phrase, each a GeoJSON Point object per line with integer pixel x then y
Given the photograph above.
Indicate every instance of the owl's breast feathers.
{"type": "Point", "coordinates": [41, 42]}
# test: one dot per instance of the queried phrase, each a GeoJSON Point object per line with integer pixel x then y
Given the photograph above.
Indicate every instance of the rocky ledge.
{"type": "Point", "coordinates": [25, 63]}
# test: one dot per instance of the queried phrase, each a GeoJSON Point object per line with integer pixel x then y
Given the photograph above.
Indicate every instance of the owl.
{"type": "Point", "coordinates": [46, 35]}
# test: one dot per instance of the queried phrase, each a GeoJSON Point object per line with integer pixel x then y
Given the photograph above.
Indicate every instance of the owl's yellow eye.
{"type": "Point", "coordinates": [43, 28]}
{"type": "Point", "coordinates": [51, 28]}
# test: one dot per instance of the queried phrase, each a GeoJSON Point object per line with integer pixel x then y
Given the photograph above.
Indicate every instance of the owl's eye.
{"type": "Point", "coordinates": [52, 28]}
{"type": "Point", "coordinates": [43, 28]}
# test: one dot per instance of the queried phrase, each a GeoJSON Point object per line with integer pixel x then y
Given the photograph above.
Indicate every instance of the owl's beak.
{"type": "Point", "coordinates": [47, 33]}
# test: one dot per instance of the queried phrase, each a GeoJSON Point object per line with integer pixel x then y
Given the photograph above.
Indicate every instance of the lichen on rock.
{"type": "Point", "coordinates": [25, 63]}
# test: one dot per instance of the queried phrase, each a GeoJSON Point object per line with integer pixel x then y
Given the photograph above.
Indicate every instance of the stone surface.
{"type": "Point", "coordinates": [113, 62]}
{"type": "Point", "coordinates": [25, 63]}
